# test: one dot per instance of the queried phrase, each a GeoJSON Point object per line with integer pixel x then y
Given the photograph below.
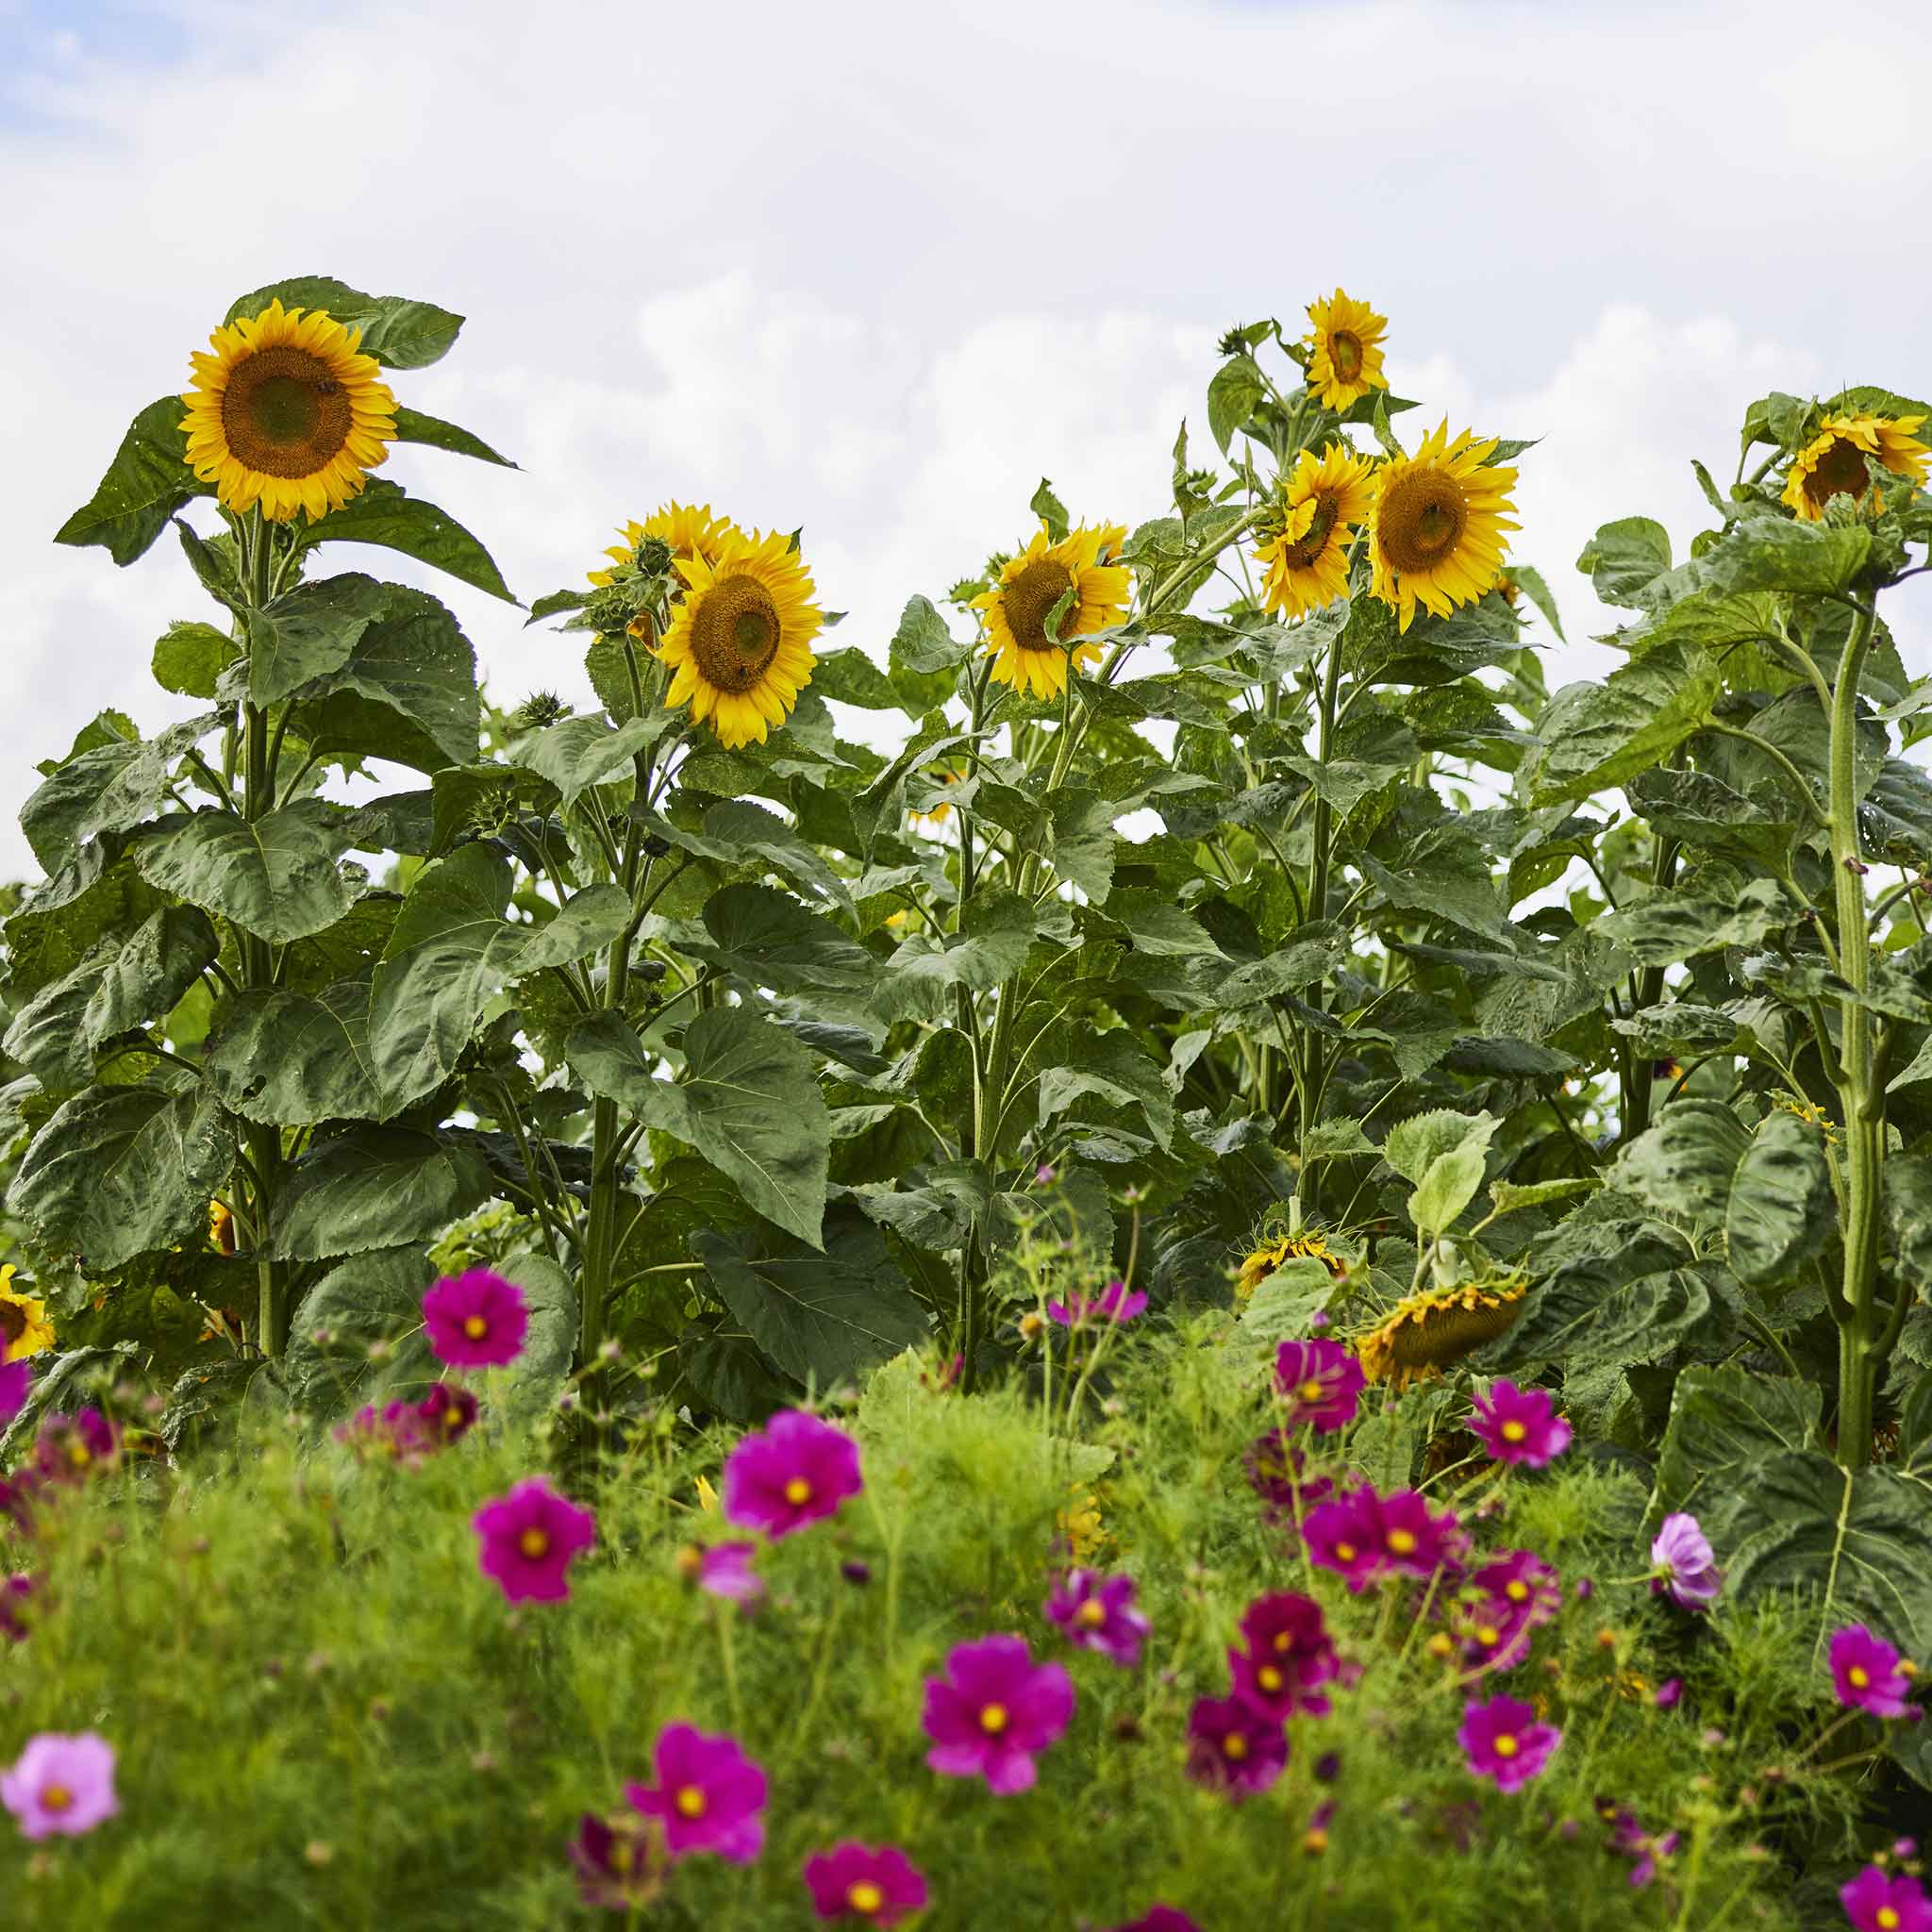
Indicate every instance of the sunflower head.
{"type": "Point", "coordinates": [1305, 557]}
{"type": "Point", "coordinates": [287, 413]}
{"type": "Point", "coordinates": [1263, 1260]}
{"type": "Point", "coordinates": [1837, 461]}
{"type": "Point", "coordinates": [1029, 588]}
{"type": "Point", "coordinates": [25, 1328]}
{"type": "Point", "coordinates": [1344, 347]}
{"type": "Point", "coordinates": [740, 641]}
{"type": "Point", "coordinates": [1424, 1333]}
{"type": "Point", "coordinates": [648, 550]}
{"type": "Point", "coordinates": [221, 1227]}
{"type": "Point", "coordinates": [1436, 528]}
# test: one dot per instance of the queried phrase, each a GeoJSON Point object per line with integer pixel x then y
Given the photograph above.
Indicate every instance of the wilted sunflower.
{"type": "Point", "coordinates": [1266, 1259]}
{"type": "Point", "coordinates": [739, 643]}
{"type": "Point", "coordinates": [1306, 565]}
{"type": "Point", "coordinates": [287, 413]}
{"type": "Point", "coordinates": [1344, 350]}
{"type": "Point", "coordinates": [1425, 1332]}
{"type": "Point", "coordinates": [1833, 463]}
{"type": "Point", "coordinates": [1018, 606]}
{"type": "Point", "coordinates": [23, 1326]}
{"type": "Point", "coordinates": [1436, 530]}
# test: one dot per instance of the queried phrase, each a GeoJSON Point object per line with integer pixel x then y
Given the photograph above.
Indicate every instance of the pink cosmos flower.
{"type": "Point", "coordinates": [447, 1412]}
{"type": "Point", "coordinates": [1507, 1599]}
{"type": "Point", "coordinates": [1320, 1381]}
{"type": "Point", "coordinates": [854, 1881]}
{"type": "Point", "coordinates": [16, 1379]}
{"type": "Point", "coordinates": [62, 1785]}
{"type": "Point", "coordinates": [1274, 1468]}
{"type": "Point", "coordinates": [1364, 1536]}
{"type": "Point", "coordinates": [476, 1321]}
{"type": "Point", "coordinates": [15, 1592]}
{"type": "Point", "coordinates": [1670, 1693]}
{"type": "Point", "coordinates": [993, 1712]}
{"type": "Point", "coordinates": [1113, 1304]}
{"type": "Point", "coordinates": [1874, 1902]}
{"type": "Point", "coordinates": [1646, 1850]}
{"type": "Point", "coordinates": [1520, 1425]}
{"type": "Point", "coordinates": [1289, 1656]}
{"type": "Point", "coordinates": [619, 1866]}
{"type": "Point", "coordinates": [71, 1448]}
{"type": "Point", "coordinates": [1231, 1744]}
{"type": "Point", "coordinates": [1503, 1739]}
{"type": "Point", "coordinates": [708, 1797]}
{"type": "Point", "coordinates": [1685, 1565]}
{"type": "Point", "coordinates": [794, 1470]}
{"type": "Point", "coordinates": [724, 1570]}
{"type": "Point", "coordinates": [1098, 1613]}
{"type": "Point", "coordinates": [1867, 1673]}
{"type": "Point", "coordinates": [529, 1537]}
{"type": "Point", "coordinates": [1161, 1919]}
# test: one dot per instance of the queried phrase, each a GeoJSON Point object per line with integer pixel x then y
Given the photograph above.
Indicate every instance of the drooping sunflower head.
{"type": "Point", "coordinates": [287, 413]}
{"type": "Point", "coordinates": [1436, 528]}
{"type": "Point", "coordinates": [1031, 585]}
{"type": "Point", "coordinates": [1305, 563]}
{"type": "Point", "coordinates": [25, 1328]}
{"type": "Point", "coordinates": [1424, 1332]}
{"type": "Point", "coordinates": [1268, 1256]}
{"type": "Point", "coordinates": [740, 641]}
{"type": "Point", "coordinates": [1344, 350]}
{"type": "Point", "coordinates": [1834, 463]}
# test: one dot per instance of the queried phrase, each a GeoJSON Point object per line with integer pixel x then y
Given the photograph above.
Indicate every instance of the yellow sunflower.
{"type": "Point", "coordinates": [1017, 607]}
{"type": "Point", "coordinates": [740, 644]}
{"type": "Point", "coordinates": [690, 530]}
{"type": "Point", "coordinates": [1265, 1259]}
{"type": "Point", "coordinates": [1833, 463]}
{"type": "Point", "coordinates": [1424, 1333]}
{"type": "Point", "coordinates": [1436, 528]}
{"type": "Point", "coordinates": [221, 1227]}
{"type": "Point", "coordinates": [1305, 566]}
{"type": "Point", "coordinates": [287, 413]}
{"type": "Point", "coordinates": [1344, 350]}
{"type": "Point", "coordinates": [23, 1326]}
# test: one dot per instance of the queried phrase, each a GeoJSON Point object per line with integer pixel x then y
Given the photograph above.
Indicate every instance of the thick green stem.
{"type": "Point", "coordinates": [1309, 1088]}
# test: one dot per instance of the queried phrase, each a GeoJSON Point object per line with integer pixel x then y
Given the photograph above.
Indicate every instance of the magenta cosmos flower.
{"type": "Point", "coordinates": [1363, 1537]}
{"type": "Point", "coordinates": [1113, 1304]}
{"type": "Point", "coordinates": [710, 1796]}
{"type": "Point", "coordinates": [16, 1379]}
{"type": "Point", "coordinates": [1320, 1381]}
{"type": "Point", "coordinates": [1161, 1919]}
{"type": "Point", "coordinates": [14, 1593]}
{"type": "Point", "coordinates": [1231, 1744]}
{"type": "Point", "coordinates": [1507, 1600]}
{"type": "Point", "coordinates": [792, 1472]}
{"type": "Point", "coordinates": [529, 1537]}
{"type": "Point", "coordinates": [1869, 1675]}
{"type": "Point", "coordinates": [854, 1881]}
{"type": "Point", "coordinates": [1685, 1565]}
{"type": "Point", "coordinates": [71, 1448]}
{"type": "Point", "coordinates": [1874, 1902]}
{"type": "Point", "coordinates": [61, 1786]}
{"type": "Point", "coordinates": [993, 1712]}
{"type": "Point", "coordinates": [724, 1571]}
{"type": "Point", "coordinates": [1277, 1474]}
{"type": "Point", "coordinates": [1503, 1739]}
{"type": "Point", "coordinates": [1097, 1613]}
{"type": "Point", "coordinates": [1519, 1426]}
{"type": "Point", "coordinates": [1289, 1656]}
{"type": "Point", "coordinates": [619, 1866]}
{"type": "Point", "coordinates": [476, 1321]}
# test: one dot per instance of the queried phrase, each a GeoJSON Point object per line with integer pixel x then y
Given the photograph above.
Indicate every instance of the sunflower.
{"type": "Point", "coordinates": [1307, 563]}
{"type": "Point", "coordinates": [1436, 528]}
{"type": "Point", "coordinates": [1427, 1331]}
{"type": "Point", "coordinates": [287, 413]}
{"type": "Point", "coordinates": [23, 1326]}
{"type": "Point", "coordinates": [688, 530]}
{"type": "Point", "coordinates": [221, 1227]}
{"type": "Point", "coordinates": [1344, 350]}
{"type": "Point", "coordinates": [740, 642]}
{"type": "Point", "coordinates": [1265, 1259]}
{"type": "Point", "coordinates": [1018, 606]}
{"type": "Point", "coordinates": [1833, 463]}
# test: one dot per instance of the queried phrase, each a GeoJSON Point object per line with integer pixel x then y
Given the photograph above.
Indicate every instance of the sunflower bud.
{"type": "Point", "coordinates": [540, 708]}
{"type": "Point", "coordinates": [654, 558]}
{"type": "Point", "coordinates": [613, 608]}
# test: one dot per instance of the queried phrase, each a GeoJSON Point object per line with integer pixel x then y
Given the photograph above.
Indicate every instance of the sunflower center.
{"type": "Point", "coordinates": [1840, 472]}
{"type": "Point", "coordinates": [735, 633]}
{"type": "Point", "coordinates": [12, 1321]}
{"type": "Point", "coordinates": [1029, 601]}
{"type": "Point", "coordinates": [1345, 354]}
{"type": "Point", "coordinates": [1303, 554]}
{"type": "Point", "coordinates": [864, 1897]}
{"type": "Point", "coordinates": [534, 1543]}
{"type": "Point", "coordinates": [285, 414]}
{"type": "Point", "coordinates": [1423, 518]}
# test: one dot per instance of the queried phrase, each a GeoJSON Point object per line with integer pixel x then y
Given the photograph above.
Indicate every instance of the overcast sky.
{"type": "Point", "coordinates": [873, 268]}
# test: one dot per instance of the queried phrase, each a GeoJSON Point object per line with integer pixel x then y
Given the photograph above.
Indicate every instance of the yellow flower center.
{"type": "Point", "coordinates": [1267, 1678]}
{"type": "Point", "coordinates": [1488, 1636]}
{"type": "Point", "coordinates": [1027, 602]}
{"type": "Point", "coordinates": [1091, 1614]}
{"type": "Point", "coordinates": [1402, 1541]}
{"type": "Point", "coordinates": [1516, 1590]}
{"type": "Point", "coordinates": [735, 632]}
{"type": "Point", "coordinates": [1345, 354]}
{"type": "Point", "coordinates": [1422, 516]}
{"type": "Point", "coordinates": [475, 1327]}
{"type": "Point", "coordinates": [864, 1897]}
{"type": "Point", "coordinates": [534, 1542]}
{"type": "Point", "coordinates": [1311, 1390]}
{"type": "Point", "coordinates": [1887, 1920]}
{"type": "Point", "coordinates": [1234, 1745]}
{"type": "Point", "coordinates": [798, 1491]}
{"type": "Point", "coordinates": [1283, 1643]}
{"type": "Point", "coordinates": [56, 1798]}
{"type": "Point", "coordinates": [79, 1454]}
{"type": "Point", "coordinates": [992, 1719]}
{"type": "Point", "coordinates": [621, 1856]}
{"type": "Point", "coordinates": [284, 413]}
{"type": "Point", "coordinates": [1514, 1431]}
{"type": "Point", "coordinates": [1857, 1677]}
{"type": "Point", "coordinates": [1506, 1746]}
{"type": "Point", "coordinates": [1345, 1552]}
{"type": "Point", "coordinates": [689, 1802]}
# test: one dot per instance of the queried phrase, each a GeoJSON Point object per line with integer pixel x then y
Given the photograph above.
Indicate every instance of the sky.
{"type": "Point", "coordinates": [874, 269]}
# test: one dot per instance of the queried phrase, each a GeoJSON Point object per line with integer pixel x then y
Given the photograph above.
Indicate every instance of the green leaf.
{"type": "Point", "coordinates": [1111, 1067]}
{"type": "Point", "coordinates": [293, 1059]}
{"type": "Point", "coordinates": [373, 1187]}
{"type": "Point", "coordinates": [1723, 1421]}
{"type": "Point", "coordinates": [274, 876]}
{"type": "Point", "coordinates": [1772, 553]}
{"type": "Point", "coordinates": [191, 657]}
{"type": "Point", "coordinates": [1538, 593]}
{"type": "Point", "coordinates": [308, 631]}
{"type": "Point", "coordinates": [1625, 557]}
{"type": "Point", "coordinates": [1675, 926]}
{"type": "Point", "coordinates": [588, 922]}
{"type": "Point", "coordinates": [736, 832]}
{"type": "Point", "coordinates": [399, 333]}
{"type": "Point", "coordinates": [413, 425]}
{"type": "Point", "coordinates": [46, 1036]}
{"type": "Point", "coordinates": [747, 1100]}
{"type": "Point", "coordinates": [123, 1170]}
{"type": "Point", "coordinates": [1511, 1198]}
{"type": "Point", "coordinates": [1237, 388]}
{"type": "Point", "coordinates": [1450, 1181]}
{"type": "Point", "coordinates": [146, 483]}
{"type": "Point", "coordinates": [1312, 952]}
{"type": "Point", "coordinates": [771, 939]}
{"type": "Point", "coordinates": [1781, 1211]}
{"type": "Point", "coordinates": [112, 787]}
{"type": "Point", "coordinates": [1287, 1302]}
{"type": "Point", "coordinates": [1907, 1184]}
{"type": "Point", "coordinates": [1081, 839]}
{"type": "Point", "coordinates": [1162, 930]}
{"type": "Point", "coordinates": [850, 678]}
{"type": "Point", "coordinates": [823, 1318]}
{"type": "Point", "coordinates": [141, 981]}
{"type": "Point", "coordinates": [922, 970]}
{"type": "Point", "coordinates": [382, 515]}
{"type": "Point", "coordinates": [1414, 1146]}
{"type": "Point", "coordinates": [357, 1334]}
{"type": "Point", "coordinates": [923, 643]}
{"type": "Point", "coordinates": [1050, 511]}
{"type": "Point", "coordinates": [1682, 1167]}
{"type": "Point", "coordinates": [1595, 736]}
{"type": "Point", "coordinates": [1596, 1312]}
{"type": "Point", "coordinates": [576, 754]}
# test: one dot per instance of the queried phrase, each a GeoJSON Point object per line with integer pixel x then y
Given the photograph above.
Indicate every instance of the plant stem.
{"type": "Point", "coordinates": [1308, 1088]}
